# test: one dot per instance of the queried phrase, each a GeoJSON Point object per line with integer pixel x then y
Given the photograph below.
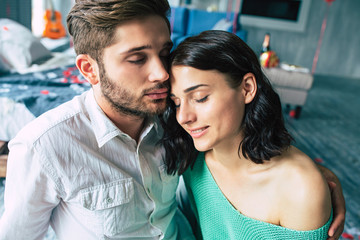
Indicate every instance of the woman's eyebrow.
{"type": "Point", "coordinates": [190, 89]}
{"type": "Point", "coordinates": [194, 87]}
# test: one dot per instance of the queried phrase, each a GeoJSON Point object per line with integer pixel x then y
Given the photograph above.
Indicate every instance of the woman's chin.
{"type": "Point", "coordinates": [202, 147]}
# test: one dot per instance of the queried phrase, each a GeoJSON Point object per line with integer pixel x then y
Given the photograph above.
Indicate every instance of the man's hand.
{"type": "Point", "coordinates": [338, 203]}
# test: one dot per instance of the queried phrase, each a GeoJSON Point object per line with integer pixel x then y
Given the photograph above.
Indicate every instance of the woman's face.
{"type": "Point", "coordinates": [207, 108]}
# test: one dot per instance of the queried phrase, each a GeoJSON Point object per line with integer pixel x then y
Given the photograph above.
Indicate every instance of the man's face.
{"type": "Point", "coordinates": [133, 72]}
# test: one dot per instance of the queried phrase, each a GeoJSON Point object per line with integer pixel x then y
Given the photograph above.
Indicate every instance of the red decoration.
{"type": "Point", "coordinates": [329, 1]}
{"type": "Point", "coordinates": [347, 236]}
{"type": "Point", "coordinates": [318, 160]}
{"type": "Point", "coordinates": [292, 113]}
{"type": "Point", "coordinates": [67, 73]}
{"type": "Point", "coordinates": [323, 27]}
{"type": "Point", "coordinates": [45, 92]}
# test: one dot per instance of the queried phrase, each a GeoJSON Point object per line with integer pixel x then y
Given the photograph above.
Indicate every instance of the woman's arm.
{"type": "Point", "coordinates": [338, 203]}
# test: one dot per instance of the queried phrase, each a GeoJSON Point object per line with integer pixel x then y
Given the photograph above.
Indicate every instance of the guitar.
{"type": "Point", "coordinates": [53, 26]}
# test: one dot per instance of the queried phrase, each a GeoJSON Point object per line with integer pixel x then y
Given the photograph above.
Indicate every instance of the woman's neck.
{"type": "Point", "coordinates": [230, 157]}
{"type": "Point", "coordinates": [227, 154]}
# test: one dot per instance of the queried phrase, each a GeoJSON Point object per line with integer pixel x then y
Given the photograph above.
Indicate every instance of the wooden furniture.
{"type": "Point", "coordinates": [3, 158]}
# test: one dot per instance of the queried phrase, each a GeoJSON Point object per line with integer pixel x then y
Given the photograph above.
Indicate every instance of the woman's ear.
{"type": "Point", "coordinates": [88, 68]}
{"type": "Point", "coordinates": [249, 87]}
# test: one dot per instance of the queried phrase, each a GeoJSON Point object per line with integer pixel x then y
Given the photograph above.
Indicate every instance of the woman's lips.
{"type": "Point", "coordinates": [199, 132]}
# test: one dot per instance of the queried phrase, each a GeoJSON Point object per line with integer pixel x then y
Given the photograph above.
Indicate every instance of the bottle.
{"type": "Point", "coordinates": [266, 43]}
{"type": "Point", "coordinates": [268, 58]}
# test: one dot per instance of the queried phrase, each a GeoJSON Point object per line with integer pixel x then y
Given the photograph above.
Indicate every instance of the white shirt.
{"type": "Point", "coordinates": [74, 169]}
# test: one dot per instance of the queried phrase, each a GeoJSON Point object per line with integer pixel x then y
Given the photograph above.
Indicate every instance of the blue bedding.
{"type": "Point", "coordinates": [42, 91]}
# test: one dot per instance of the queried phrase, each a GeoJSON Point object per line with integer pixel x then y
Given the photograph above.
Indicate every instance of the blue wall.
{"type": "Point", "coordinates": [340, 50]}
{"type": "Point", "coordinates": [339, 54]}
{"type": "Point", "coordinates": [17, 10]}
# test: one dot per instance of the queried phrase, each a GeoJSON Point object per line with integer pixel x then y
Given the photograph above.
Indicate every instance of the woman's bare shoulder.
{"type": "Point", "coordinates": [304, 193]}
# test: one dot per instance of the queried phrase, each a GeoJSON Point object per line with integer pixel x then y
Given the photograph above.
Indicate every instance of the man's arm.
{"type": "Point", "coordinates": [29, 198]}
{"type": "Point", "coordinates": [338, 203]}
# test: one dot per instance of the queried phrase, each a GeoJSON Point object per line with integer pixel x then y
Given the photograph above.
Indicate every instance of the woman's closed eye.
{"type": "Point", "coordinates": [201, 100]}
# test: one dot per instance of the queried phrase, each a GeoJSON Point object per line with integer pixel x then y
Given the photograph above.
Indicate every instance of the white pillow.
{"type": "Point", "coordinates": [223, 24]}
{"type": "Point", "coordinates": [4, 67]}
{"type": "Point", "coordinates": [19, 48]}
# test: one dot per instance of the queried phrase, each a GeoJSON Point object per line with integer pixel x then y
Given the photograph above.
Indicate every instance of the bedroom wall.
{"type": "Point", "coordinates": [64, 7]}
{"type": "Point", "coordinates": [17, 10]}
{"type": "Point", "coordinates": [340, 51]}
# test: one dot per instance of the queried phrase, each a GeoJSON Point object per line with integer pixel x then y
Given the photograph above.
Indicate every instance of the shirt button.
{"type": "Point", "coordinates": [109, 200]}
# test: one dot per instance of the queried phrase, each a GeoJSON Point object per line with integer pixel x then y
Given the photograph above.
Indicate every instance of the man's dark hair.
{"type": "Point", "coordinates": [92, 23]}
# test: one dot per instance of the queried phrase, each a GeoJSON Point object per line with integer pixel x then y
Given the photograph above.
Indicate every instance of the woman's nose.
{"type": "Point", "coordinates": [185, 114]}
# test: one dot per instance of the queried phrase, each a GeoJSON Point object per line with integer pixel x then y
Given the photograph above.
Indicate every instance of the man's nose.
{"type": "Point", "coordinates": [158, 71]}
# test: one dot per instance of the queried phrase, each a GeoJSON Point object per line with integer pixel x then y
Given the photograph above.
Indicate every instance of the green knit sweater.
{"type": "Point", "coordinates": [218, 219]}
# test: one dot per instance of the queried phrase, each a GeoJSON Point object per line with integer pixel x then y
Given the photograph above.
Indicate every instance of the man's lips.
{"type": "Point", "coordinates": [158, 93]}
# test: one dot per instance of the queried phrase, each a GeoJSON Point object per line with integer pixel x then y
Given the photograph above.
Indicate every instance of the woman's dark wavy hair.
{"type": "Point", "coordinates": [263, 125]}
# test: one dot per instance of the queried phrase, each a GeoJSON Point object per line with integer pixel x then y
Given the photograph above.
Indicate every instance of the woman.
{"type": "Point", "coordinates": [247, 181]}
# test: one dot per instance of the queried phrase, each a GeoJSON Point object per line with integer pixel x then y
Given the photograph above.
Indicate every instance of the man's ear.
{"type": "Point", "coordinates": [88, 68]}
{"type": "Point", "coordinates": [249, 87]}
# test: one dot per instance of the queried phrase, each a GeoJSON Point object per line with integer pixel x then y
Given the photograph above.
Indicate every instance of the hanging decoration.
{"type": "Point", "coordinates": [323, 27]}
{"type": "Point", "coordinates": [236, 15]}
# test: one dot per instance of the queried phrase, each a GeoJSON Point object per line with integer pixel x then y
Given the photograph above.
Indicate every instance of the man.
{"type": "Point", "coordinates": [92, 167]}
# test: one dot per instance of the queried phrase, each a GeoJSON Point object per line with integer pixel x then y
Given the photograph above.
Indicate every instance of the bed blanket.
{"type": "Point", "coordinates": [26, 96]}
{"type": "Point", "coordinates": [42, 91]}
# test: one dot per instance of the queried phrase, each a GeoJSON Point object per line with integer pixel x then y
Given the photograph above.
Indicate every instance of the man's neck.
{"type": "Point", "coordinates": [131, 125]}
{"type": "Point", "coordinates": [126, 122]}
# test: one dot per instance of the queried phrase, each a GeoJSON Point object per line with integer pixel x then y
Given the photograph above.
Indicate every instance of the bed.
{"type": "Point", "coordinates": [26, 96]}
{"type": "Point", "coordinates": [36, 75]}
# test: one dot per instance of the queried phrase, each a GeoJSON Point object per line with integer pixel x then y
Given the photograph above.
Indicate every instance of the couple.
{"type": "Point", "coordinates": [93, 167]}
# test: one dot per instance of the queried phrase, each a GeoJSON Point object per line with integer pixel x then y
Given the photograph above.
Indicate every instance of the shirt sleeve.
{"type": "Point", "coordinates": [184, 209]}
{"type": "Point", "coordinates": [184, 229]}
{"type": "Point", "coordinates": [30, 195]}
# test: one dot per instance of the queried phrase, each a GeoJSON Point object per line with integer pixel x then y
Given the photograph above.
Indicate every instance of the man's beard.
{"type": "Point", "coordinates": [123, 101]}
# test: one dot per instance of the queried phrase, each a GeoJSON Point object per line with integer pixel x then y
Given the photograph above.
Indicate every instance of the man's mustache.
{"type": "Point", "coordinates": [165, 84]}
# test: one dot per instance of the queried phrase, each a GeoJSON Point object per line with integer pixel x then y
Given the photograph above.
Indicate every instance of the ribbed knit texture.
{"type": "Point", "coordinates": [218, 219]}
